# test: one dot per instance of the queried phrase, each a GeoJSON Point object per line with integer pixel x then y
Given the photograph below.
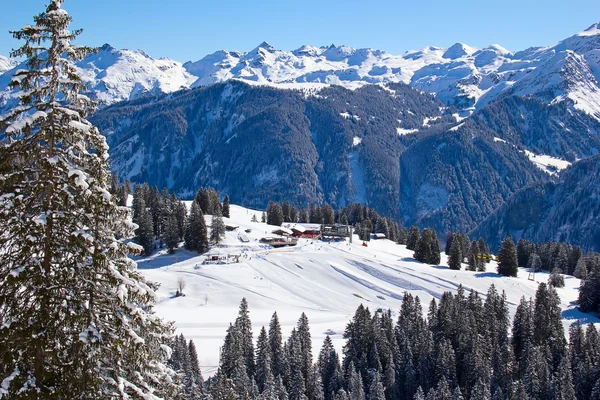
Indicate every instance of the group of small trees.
{"type": "Point", "coordinates": [163, 219]}
{"type": "Point", "coordinates": [120, 190]}
{"type": "Point", "coordinates": [458, 248]}
{"type": "Point", "coordinates": [548, 256]}
{"type": "Point", "coordinates": [427, 248]}
{"type": "Point", "coordinates": [461, 350]}
{"type": "Point", "coordinates": [184, 361]}
{"type": "Point", "coordinates": [160, 216]}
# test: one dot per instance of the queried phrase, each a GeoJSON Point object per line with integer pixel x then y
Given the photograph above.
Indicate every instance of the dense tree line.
{"type": "Point", "coordinates": [564, 258]}
{"type": "Point", "coordinates": [463, 349]}
{"type": "Point", "coordinates": [460, 248]}
{"type": "Point", "coordinates": [162, 219]}
{"type": "Point", "coordinates": [160, 216]}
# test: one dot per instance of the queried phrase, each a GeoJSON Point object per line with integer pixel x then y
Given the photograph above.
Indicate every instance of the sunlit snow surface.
{"type": "Point", "coordinates": [327, 281]}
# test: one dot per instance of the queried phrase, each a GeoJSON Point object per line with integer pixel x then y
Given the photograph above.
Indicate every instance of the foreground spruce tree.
{"type": "Point", "coordinates": [76, 315]}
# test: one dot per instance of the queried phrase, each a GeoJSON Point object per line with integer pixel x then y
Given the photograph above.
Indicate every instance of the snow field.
{"type": "Point", "coordinates": [327, 281]}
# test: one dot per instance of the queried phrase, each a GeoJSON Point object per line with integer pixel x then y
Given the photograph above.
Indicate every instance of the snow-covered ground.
{"type": "Point", "coordinates": [327, 281]}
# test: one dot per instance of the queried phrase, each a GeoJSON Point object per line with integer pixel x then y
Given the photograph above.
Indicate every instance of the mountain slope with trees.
{"type": "Point", "coordinates": [566, 210]}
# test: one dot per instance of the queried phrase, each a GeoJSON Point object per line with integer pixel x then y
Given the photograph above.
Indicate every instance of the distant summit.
{"type": "Point", "coordinates": [461, 75]}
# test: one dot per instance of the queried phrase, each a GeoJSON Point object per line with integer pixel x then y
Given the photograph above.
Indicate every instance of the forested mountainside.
{"type": "Point", "coordinates": [567, 210]}
{"type": "Point", "coordinates": [259, 144]}
{"type": "Point", "coordinates": [554, 129]}
{"type": "Point", "coordinates": [455, 179]}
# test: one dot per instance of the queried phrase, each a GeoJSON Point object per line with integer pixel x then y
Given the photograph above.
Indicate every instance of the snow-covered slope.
{"type": "Point", "coordinates": [460, 75]}
{"type": "Point", "coordinates": [6, 64]}
{"type": "Point", "coordinates": [327, 281]}
{"type": "Point", "coordinates": [114, 75]}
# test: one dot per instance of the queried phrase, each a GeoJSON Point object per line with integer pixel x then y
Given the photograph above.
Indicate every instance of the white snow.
{"type": "Point", "coordinates": [402, 131]}
{"type": "Point", "coordinates": [474, 77]}
{"type": "Point", "coordinates": [548, 164]}
{"type": "Point", "coordinates": [327, 281]}
{"type": "Point", "coordinates": [356, 141]}
{"type": "Point", "coordinates": [427, 120]}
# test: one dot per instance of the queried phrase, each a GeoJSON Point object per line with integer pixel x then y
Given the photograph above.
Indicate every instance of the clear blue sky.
{"type": "Point", "coordinates": [189, 29]}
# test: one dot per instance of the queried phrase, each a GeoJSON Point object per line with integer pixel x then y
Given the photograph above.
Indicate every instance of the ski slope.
{"type": "Point", "coordinates": [325, 280]}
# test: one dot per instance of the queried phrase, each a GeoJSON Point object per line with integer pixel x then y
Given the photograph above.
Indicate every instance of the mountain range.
{"type": "Point", "coordinates": [463, 76]}
{"type": "Point", "coordinates": [453, 139]}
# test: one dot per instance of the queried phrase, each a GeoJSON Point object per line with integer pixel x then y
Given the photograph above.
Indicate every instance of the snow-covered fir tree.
{"type": "Point", "coordinates": [217, 230]}
{"type": "Point", "coordinates": [77, 315]}
{"type": "Point", "coordinates": [196, 233]}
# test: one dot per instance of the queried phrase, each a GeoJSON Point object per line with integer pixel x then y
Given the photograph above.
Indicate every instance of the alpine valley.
{"type": "Point", "coordinates": [453, 139]}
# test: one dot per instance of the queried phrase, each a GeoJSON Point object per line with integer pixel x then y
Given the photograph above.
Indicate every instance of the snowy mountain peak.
{"type": "Point", "coordinates": [307, 50]}
{"type": "Point", "coordinates": [460, 75]}
{"type": "Point", "coordinates": [7, 64]}
{"type": "Point", "coordinates": [458, 50]}
{"type": "Point", "coordinates": [107, 47]}
{"type": "Point", "coordinates": [591, 31]}
{"type": "Point", "coordinates": [498, 49]}
{"type": "Point", "coordinates": [265, 46]}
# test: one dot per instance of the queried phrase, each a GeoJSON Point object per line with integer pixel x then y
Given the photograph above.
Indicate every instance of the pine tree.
{"type": "Point", "coordinates": [402, 236]}
{"type": "Point", "coordinates": [243, 326]}
{"type": "Point", "coordinates": [434, 249]}
{"type": "Point", "coordinates": [285, 210]}
{"type": "Point", "coordinates": [171, 233]}
{"type": "Point", "coordinates": [376, 391]}
{"type": "Point", "coordinates": [413, 238]}
{"type": "Point", "coordinates": [275, 342]}
{"type": "Point", "coordinates": [547, 324]}
{"type": "Point", "coordinates": [222, 387]}
{"type": "Point", "coordinates": [124, 192]}
{"type": "Point", "coordinates": [519, 392]}
{"type": "Point", "coordinates": [563, 382]}
{"type": "Point", "coordinates": [535, 263]}
{"type": "Point", "coordinates": [293, 214]}
{"type": "Point", "coordinates": [329, 367]}
{"type": "Point", "coordinates": [507, 258]}
{"type": "Point", "coordinates": [203, 200]}
{"type": "Point", "coordinates": [474, 253]}
{"type": "Point", "coordinates": [449, 240]}
{"type": "Point", "coordinates": [356, 390]}
{"type": "Point", "coordinates": [481, 391]}
{"type": "Point", "coordinates": [419, 395]}
{"type": "Point", "coordinates": [427, 249]}
{"type": "Point", "coordinates": [198, 380]}
{"type": "Point", "coordinates": [327, 215]}
{"type": "Point", "coordinates": [196, 233]}
{"type": "Point", "coordinates": [274, 214]}
{"type": "Point", "coordinates": [144, 234]}
{"type": "Point", "coordinates": [303, 216]}
{"type": "Point", "coordinates": [556, 279]}
{"type": "Point", "coordinates": [263, 360]}
{"type": "Point", "coordinates": [85, 328]}
{"type": "Point", "coordinates": [217, 227]}
{"type": "Point", "coordinates": [305, 343]}
{"type": "Point", "coordinates": [581, 269]}
{"type": "Point", "coordinates": [455, 255]}
{"type": "Point", "coordinates": [226, 206]}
